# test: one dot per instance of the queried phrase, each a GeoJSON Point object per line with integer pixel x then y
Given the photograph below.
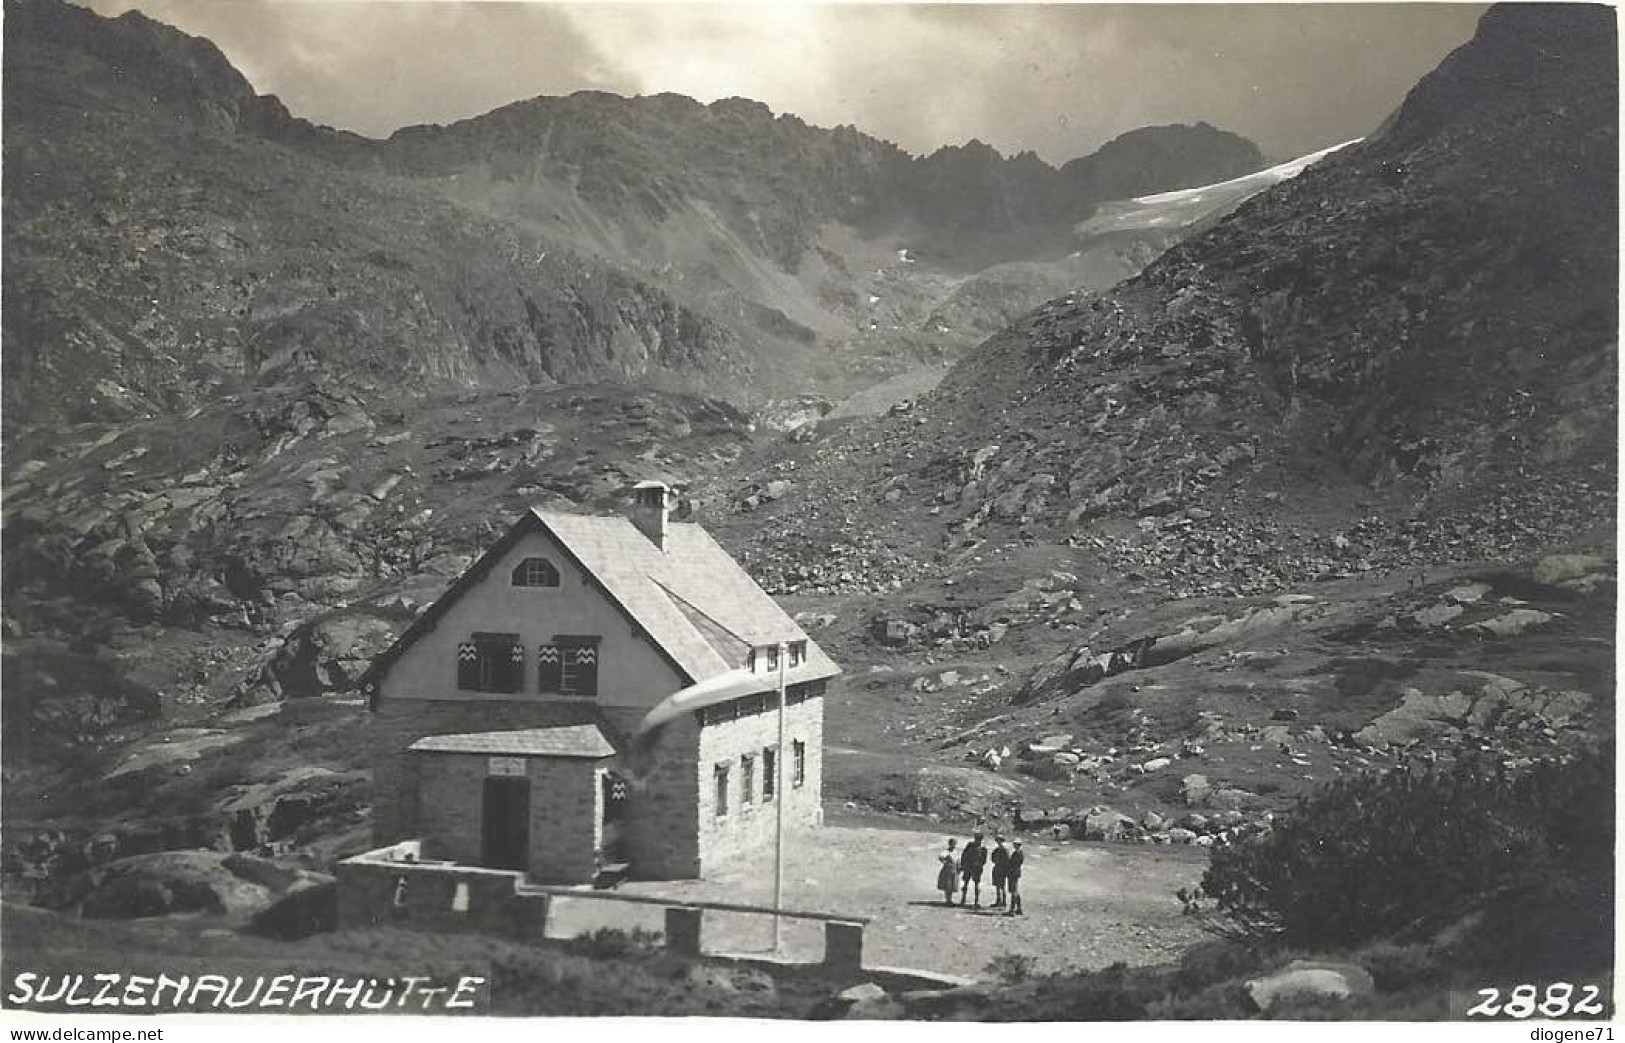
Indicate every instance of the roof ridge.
{"type": "Point", "coordinates": [697, 610]}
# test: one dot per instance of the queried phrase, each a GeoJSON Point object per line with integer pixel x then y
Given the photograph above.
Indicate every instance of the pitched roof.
{"type": "Point", "coordinates": [571, 740]}
{"type": "Point", "coordinates": [693, 574]}
{"type": "Point", "coordinates": [660, 591]}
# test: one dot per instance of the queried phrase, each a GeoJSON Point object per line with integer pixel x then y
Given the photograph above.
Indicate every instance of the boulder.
{"type": "Point", "coordinates": [1157, 763]}
{"type": "Point", "coordinates": [1436, 615]}
{"type": "Point", "coordinates": [170, 882]}
{"type": "Point", "coordinates": [1310, 979]}
{"type": "Point", "coordinates": [1050, 745]}
{"type": "Point", "coordinates": [1467, 593]}
{"type": "Point", "coordinates": [1565, 569]}
{"type": "Point", "coordinates": [1152, 821]}
{"type": "Point", "coordinates": [1417, 716]}
{"type": "Point", "coordinates": [1103, 823]}
{"type": "Point", "coordinates": [1232, 800]}
{"type": "Point", "coordinates": [1512, 623]}
{"type": "Point", "coordinates": [894, 632]}
{"type": "Point", "coordinates": [309, 906]}
{"type": "Point", "coordinates": [866, 991]}
{"type": "Point", "coordinates": [1178, 835]}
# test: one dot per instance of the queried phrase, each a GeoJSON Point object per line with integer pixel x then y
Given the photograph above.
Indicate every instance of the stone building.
{"type": "Point", "coordinates": [597, 692]}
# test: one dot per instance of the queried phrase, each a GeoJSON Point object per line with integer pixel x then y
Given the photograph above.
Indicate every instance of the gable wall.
{"type": "Point", "coordinates": [631, 671]}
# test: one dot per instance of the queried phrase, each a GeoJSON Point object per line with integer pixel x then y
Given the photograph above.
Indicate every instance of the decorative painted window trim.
{"type": "Point", "coordinates": [489, 662]}
{"type": "Point", "coordinates": [568, 665]}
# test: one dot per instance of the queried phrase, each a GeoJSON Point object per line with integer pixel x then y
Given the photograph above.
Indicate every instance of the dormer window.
{"type": "Point", "coordinates": [535, 572]}
{"type": "Point", "coordinates": [772, 658]}
{"type": "Point", "coordinates": [798, 653]}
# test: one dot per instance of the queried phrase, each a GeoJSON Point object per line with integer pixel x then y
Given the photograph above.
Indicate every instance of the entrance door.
{"type": "Point", "coordinates": [505, 837]}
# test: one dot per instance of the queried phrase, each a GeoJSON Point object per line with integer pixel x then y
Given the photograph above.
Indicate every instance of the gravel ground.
{"type": "Point", "coordinates": [1088, 905]}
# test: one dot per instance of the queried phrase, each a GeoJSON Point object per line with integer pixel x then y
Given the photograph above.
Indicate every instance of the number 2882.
{"type": "Point", "coordinates": [1560, 999]}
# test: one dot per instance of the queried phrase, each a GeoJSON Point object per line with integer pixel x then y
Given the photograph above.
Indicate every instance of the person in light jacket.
{"type": "Point", "coordinates": [948, 873]}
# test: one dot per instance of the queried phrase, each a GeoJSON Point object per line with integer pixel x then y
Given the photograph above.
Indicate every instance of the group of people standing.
{"type": "Point", "coordinates": [962, 871]}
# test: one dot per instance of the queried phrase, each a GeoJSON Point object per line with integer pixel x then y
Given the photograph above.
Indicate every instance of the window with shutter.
{"type": "Point", "coordinates": [491, 663]}
{"type": "Point", "coordinates": [549, 668]}
{"type": "Point", "coordinates": [468, 667]}
{"type": "Point", "coordinates": [578, 665]}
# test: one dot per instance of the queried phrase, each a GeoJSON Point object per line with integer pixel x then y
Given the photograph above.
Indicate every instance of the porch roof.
{"type": "Point", "coordinates": [569, 740]}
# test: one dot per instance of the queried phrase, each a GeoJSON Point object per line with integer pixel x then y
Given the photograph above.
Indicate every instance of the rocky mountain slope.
{"type": "Point", "coordinates": [1148, 564]}
{"type": "Point", "coordinates": [170, 233]}
{"type": "Point", "coordinates": [1406, 354]}
{"type": "Point", "coordinates": [164, 247]}
{"type": "Point", "coordinates": [1341, 432]}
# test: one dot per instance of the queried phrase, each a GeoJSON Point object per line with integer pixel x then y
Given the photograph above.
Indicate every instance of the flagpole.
{"type": "Point", "coordinates": [780, 795]}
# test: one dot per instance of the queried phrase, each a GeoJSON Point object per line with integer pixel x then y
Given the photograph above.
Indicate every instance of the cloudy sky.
{"type": "Point", "coordinates": [1057, 78]}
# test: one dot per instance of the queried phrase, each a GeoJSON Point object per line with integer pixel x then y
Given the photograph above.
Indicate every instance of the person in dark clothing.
{"type": "Point", "coordinates": [1000, 857]}
{"type": "Point", "coordinates": [970, 869]}
{"type": "Point", "coordinates": [1012, 876]}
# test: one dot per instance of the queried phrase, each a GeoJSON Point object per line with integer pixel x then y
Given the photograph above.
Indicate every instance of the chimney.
{"type": "Point", "coordinates": [651, 506]}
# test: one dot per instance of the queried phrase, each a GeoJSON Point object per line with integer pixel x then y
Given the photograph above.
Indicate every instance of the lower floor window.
{"type": "Point", "coordinates": [770, 773]}
{"type": "Point", "coordinates": [798, 763]}
{"type": "Point", "coordinates": [747, 780]}
{"type": "Point", "coordinates": [720, 774]}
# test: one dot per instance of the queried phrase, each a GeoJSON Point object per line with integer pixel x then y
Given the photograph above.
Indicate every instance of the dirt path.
{"type": "Point", "coordinates": [1088, 905]}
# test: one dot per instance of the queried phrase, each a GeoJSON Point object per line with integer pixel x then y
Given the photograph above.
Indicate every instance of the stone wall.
{"type": "Point", "coordinates": [660, 834]}
{"type": "Point", "coordinates": [566, 813]}
{"type": "Point", "coordinates": [750, 827]}
{"type": "Point", "coordinates": [671, 829]}
{"type": "Point", "coordinates": [376, 894]}
{"type": "Point", "coordinates": [397, 723]}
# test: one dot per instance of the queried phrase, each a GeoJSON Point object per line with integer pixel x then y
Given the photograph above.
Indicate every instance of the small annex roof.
{"type": "Point", "coordinates": [570, 740]}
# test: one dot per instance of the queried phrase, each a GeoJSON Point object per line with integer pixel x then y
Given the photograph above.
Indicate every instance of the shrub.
{"type": "Point", "coordinates": [612, 942]}
{"type": "Point", "coordinates": [1396, 968]}
{"type": "Point", "coordinates": [1369, 856]}
{"type": "Point", "coordinates": [1012, 968]}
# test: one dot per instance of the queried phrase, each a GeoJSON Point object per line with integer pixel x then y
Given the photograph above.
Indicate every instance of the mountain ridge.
{"type": "Point", "coordinates": [725, 284]}
{"type": "Point", "coordinates": [1393, 327]}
